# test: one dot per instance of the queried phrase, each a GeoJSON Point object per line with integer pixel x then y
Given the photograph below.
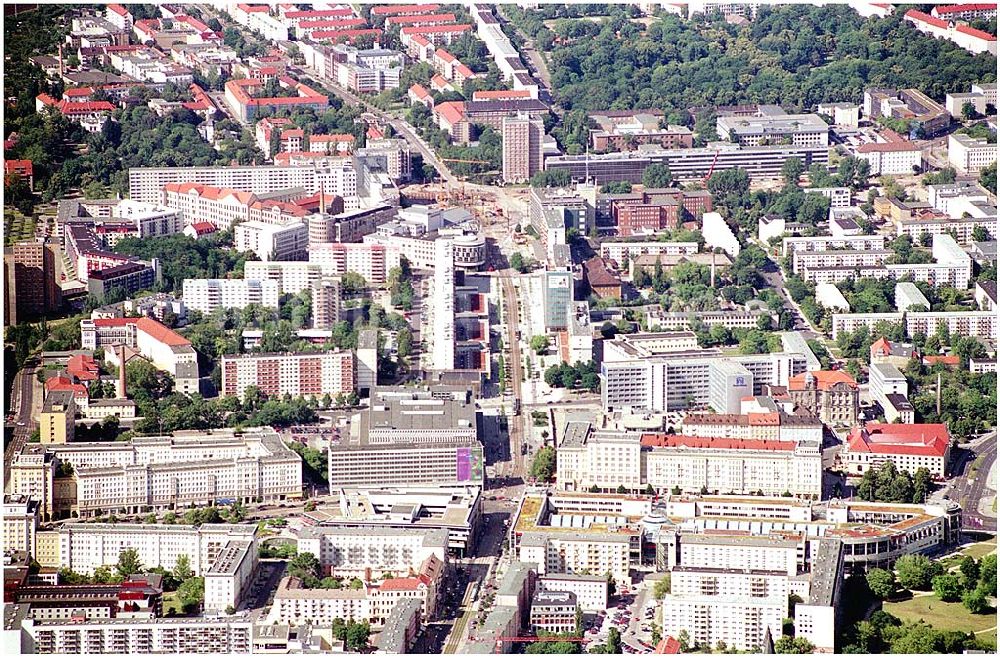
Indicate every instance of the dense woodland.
{"type": "Point", "coordinates": [796, 56]}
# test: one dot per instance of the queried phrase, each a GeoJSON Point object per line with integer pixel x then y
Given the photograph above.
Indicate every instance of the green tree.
{"type": "Point", "coordinates": [543, 466]}
{"type": "Point", "coordinates": [662, 587]}
{"type": "Point", "coordinates": [539, 344]}
{"type": "Point", "coordinates": [306, 567]}
{"type": "Point", "coordinates": [881, 582]}
{"type": "Point", "coordinates": [357, 636]}
{"type": "Point", "coordinates": [988, 177]}
{"type": "Point", "coordinates": [969, 569]}
{"type": "Point", "coordinates": [191, 593]}
{"type": "Point", "coordinates": [128, 563]}
{"type": "Point", "coordinates": [916, 571]}
{"type": "Point", "coordinates": [797, 645]}
{"type": "Point", "coordinates": [792, 170]}
{"type": "Point", "coordinates": [947, 587]}
{"type": "Point", "coordinates": [182, 569]}
{"type": "Point", "coordinates": [657, 175]}
{"type": "Point", "coordinates": [351, 282]}
{"type": "Point", "coordinates": [975, 601]}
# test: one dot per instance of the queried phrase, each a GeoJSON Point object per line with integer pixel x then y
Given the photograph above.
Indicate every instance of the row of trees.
{"type": "Point", "coordinates": [580, 374]}
{"type": "Point", "coordinates": [884, 633]}
{"type": "Point", "coordinates": [888, 484]}
{"type": "Point", "coordinates": [973, 583]}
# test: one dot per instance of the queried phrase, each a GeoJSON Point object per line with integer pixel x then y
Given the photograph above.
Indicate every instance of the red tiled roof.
{"type": "Point", "coordinates": [947, 360]}
{"type": "Point", "coordinates": [390, 10]}
{"type": "Point", "coordinates": [444, 55]}
{"type": "Point", "coordinates": [973, 32]}
{"type": "Point", "coordinates": [19, 167]}
{"type": "Point", "coordinates": [256, 9]}
{"type": "Point", "coordinates": [160, 332]}
{"type": "Point", "coordinates": [464, 71]}
{"type": "Point", "coordinates": [343, 35]}
{"type": "Point", "coordinates": [202, 227]}
{"type": "Point", "coordinates": [439, 81]}
{"type": "Point", "coordinates": [292, 133]}
{"type": "Point", "coordinates": [436, 29]}
{"type": "Point", "coordinates": [68, 108]}
{"type": "Point", "coordinates": [63, 384]}
{"type": "Point", "coordinates": [452, 111]}
{"type": "Point", "coordinates": [401, 584]}
{"type": "Point", "coordinates": [926, 18]}
{"type": "Point", "coordinates": [887, 147]}
{"type": "Point", "coordinates": [500, 94]}
{"type": "Point", "coordinates": [957, 9]}
{"type": "Point", "coordinates": [320, 13]}
{"type": "Point", "coordinates": [118, 9]}
{"type": "Point", "coordinates": [668, 646]}
{"type": "Point", "coordinates": [79, 91]}
{"type": "Point", "coordinates": [903, 439]}
{"type": "Point", "coordinates": [421, 18]}
{"type": "Point", "coordinates": [332, 24]}
{"type": "Point", "coordinates": [695, 442]}
{"type": "Point", "coordinates": [824, 380]}
{"type": "Point", "coordinates": [375, 133]}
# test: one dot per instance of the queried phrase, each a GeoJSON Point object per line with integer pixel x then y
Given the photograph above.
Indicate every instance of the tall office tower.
{"type": "Point", "coordinates": [522, 147]}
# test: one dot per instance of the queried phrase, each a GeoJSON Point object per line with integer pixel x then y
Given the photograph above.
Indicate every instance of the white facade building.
{"type": "Point", "coordinates": [718, 233]}
{"type": "Point", "coordinates": [970, 155]}
{"type": "Point", "coordinates": [206, 296]}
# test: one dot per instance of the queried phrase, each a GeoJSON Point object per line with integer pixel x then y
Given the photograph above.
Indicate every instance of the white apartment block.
{"type": "Point", "coordinates": [970, 155]}
{"type": "Point", "coordinates": [840, 198]}
{"type": "Point", "coordinates": [224, 206]}
{"type": "Point", "coordinates": [851, 322]}
{"type": "Point", "coordinates": [291, 276]}
{"type": "Point", "coordinates": [620, 251]}
{"type": "Point", "coordinates": [206, 296]}
{"type": "Point", "coordinates": [228, 579]}
{"type": "Point", "coordinates": [469, 249]}
{"type": "Point", "coordinates": [258, 19]}
{"type": "Point", "coordinates": [337, 176]}
{"type": "Point", "coordinates": [195, 468]}
{"type": "Point", "coordinates": [604, 459]}
{"type": "Point", "coordinates": [908, 297]}
{"type": "Point", "coordinates": [954, 103]}
{"type": "Point", "coordinates": [648, 344]}
{"type": "Point", "coordinates": [803, 263]}
{"type": "Point", "coordinates": [576, 552]}
{"type": "Point", "coordinates": [20, 519]}
{"type": "Point", "coordinates": [797, 244]}
{"type": "Point", "coordinates": [899, 157]}
{"type": "Point", "coordinates": [131, 636]}
{"type": "Point", "coordinates": [295, 605]}
{"type": "Point", "coordinates": [780, 553]}
{"type": "Point", "coordinates": [680, 381]}
{"type": "Point", "coordinates": [961, 227]}
{"type": "Point", "coordinates": [372, 262]}
{"type": "Point", "coordinates": [830, 297]}
{"type": "Point", "coordinates": [285, 242]}
{"type": "Point", "coordinates": [982, 325]}
{"type": "Point", "coordinates": [523, 139]}
{"type": "Point", "coordinates": [719, 234]}
{"type": "Point", "coordinates": [294, 374]}
{"type": "Point", "coordinates": [591, 591]}
{"type": "Point", "coordinates": [86, 547]}
{"type": "Point", "coordinates": [951, 198]}
{"type": "Point", "coordinates": [353, 551]}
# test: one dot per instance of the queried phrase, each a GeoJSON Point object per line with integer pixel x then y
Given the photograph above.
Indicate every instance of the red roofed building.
{"type": "Point", "coordinates": [404, 10]}
{"type": "Point", "coordinates": [91, 115]}
{"type": "Point", "coordinates": [436, 34]}
{"type": "Point", "coordinates": [334, 143]}
{"type": "Point", "coordinates": [965, 12]}
{"type": "Point", "coordinates": [450, 117]}
{"type": "Point", "coordinates": [62, 383]}
{"type": "Point", "coordinates": [501, 95]}
{"type": "Point", "coordinates": [307, 28]}
{"type": "Point", "coordinates": [668, 646]}
{"type": "Point", "coordinates": [440, 84]}
{"type": "Point", "coordinates": [897, 354]}
{"type": "Point", "coordinates": [830, 395]}
{"type": "Point", "coordinates": [293, 18]}
{"type": "Point", "coordinates": [419, 94]}
{"type": "Point", "coordinates": [198, 230]}
{"type": "Point", "coordinates": [340, 36]}
{"type": "Point", "coordinates": [950, 361]}
{"type": "Point", "coordinates": [973, 40]}
{"type": "Point", "coordinates": [423, 19]}
{"type": "Point", "coordinates": [374, 133]}
{"type": "Point", "coordinates": [909, 446]}
{"type": "Point", "coordinates": [23, 168]}
{"type": "Point", "coordinates": [82, 367]}
{"type": "Point", "coordinates": [241, 99]}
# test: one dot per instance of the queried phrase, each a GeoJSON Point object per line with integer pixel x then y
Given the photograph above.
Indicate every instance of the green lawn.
{"type": "Point", "coordinates": [945, 616]}
{"type": "Point", "coordinates": [17, 227]}
{"type": "Point", "coordinates": [979, 550]}
{"type": "Point", "coordinates": [170, 600]}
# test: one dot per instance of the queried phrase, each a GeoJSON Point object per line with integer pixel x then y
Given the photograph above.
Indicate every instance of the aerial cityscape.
{"type": "Point", "coordinates": [645, 328]}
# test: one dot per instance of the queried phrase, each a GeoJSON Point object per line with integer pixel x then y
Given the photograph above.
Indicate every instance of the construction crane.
{"type": "Point", "coordinates": [499, 640]}
{"type": "Point", "coordinates": [712, 168]}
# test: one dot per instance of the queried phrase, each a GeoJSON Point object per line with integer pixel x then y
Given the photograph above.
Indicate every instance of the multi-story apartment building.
{"type": "Point", "coordinates": [971, 155]}
{"type": "Point", "coordinates": [32, 280]}
{"type": "Point", "coordinates": [622, 251]}
{"type": "Point", "coordinates": [960, 228]}
{"type": "Point", "coordinates": [591, 591]}
{"type": "Point", "coordinates": [553, 612]}
{"type": "Point", "coordinates": [228, 579]}
{"type": "Point", "coordinates": [522, 147]}
{"type": "Point", "coordinates": [353, 551]}
{"type": "Point", "coordinates": [189, 469]}
{"type": "Point", "coordinates": [778, 425]}
{"type": "Point", "coordinates": [163, 347]}
{"type": "Point", "coordinates": [128, 636]}
{"type": "Point", "coordinates": [909, 446]}
{"type": "Point", "coordinates": [57, 419]}
{"type": "Point", "coordinates": [830, 395]}
{"type": "Point", "coordinates": [295, 374]}
{"type": "Point", "coordinates": [410, 437]}
{"type": "Point", "coordinates": [278, 242]}
{"type": "Point", "coordinates": [336, 176]}
{"type": "Point", "coordinates": [371, 260]}
{"type": "Point", "coordinates": [32, 474]}
{"type": "Point", "coordinates": [577, 551]}
{"type": "Point", "coordinates": [206, 296]}
{"type": "Point", "coordinates": [797, 244]}
{"type": "Point", "coordinates": [20, 519]}
{"type": "Point", "coordinates": [607, 460]}
{"type": "Point", "coordinates": [680, 380]}
{"type": "Point", "coordinates": [968, 324]}
{"type": "Point", "coordinates": [965, 36]}
{"type": "Point", "coordinates": [85, 547]}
